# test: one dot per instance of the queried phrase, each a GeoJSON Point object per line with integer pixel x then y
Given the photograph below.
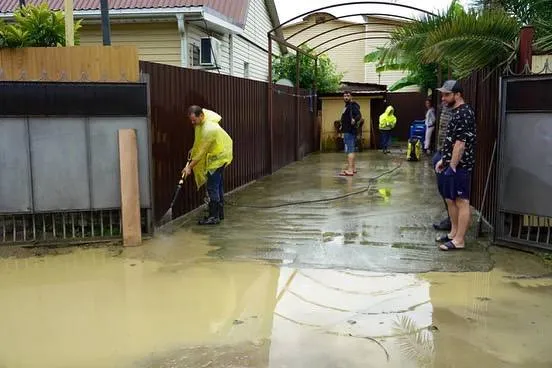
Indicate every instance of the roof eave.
{"type": "Point", "coordinates": [275, 19]}
{"type": "Point", "coordinates": [191, 13]}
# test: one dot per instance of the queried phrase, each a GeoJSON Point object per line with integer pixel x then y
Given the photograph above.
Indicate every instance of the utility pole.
{"type": "Point", "coordinates": [69, 24]}
{"type": "Point", "coordinates": [106, 28]}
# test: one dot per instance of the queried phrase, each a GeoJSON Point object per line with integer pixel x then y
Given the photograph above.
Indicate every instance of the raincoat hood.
{"type": "Point", "coordinates": [212, 147]}
{"type": "Point", "coordinates": [388, 120]}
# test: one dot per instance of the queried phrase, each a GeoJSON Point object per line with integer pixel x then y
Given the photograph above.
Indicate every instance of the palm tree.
{"type": "Point", "coordinates": [418, 74]}
{"type": "Point", "coordinates": [464, 41]}
{"type": "Point", "coordinates": [537, 13]}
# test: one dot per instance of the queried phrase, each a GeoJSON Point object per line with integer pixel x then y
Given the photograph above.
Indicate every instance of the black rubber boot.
{"type": "Point", "coordinates": [213, 218]}
{"type": "Point", "coordinates": [221, 210]}
{"type": "Point", "coordinates": [444, 225]}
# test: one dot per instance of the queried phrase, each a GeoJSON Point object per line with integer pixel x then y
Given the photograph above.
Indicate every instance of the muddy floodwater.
{"type": "Point", "coordinates": [178, 307]}
{"type": "Point", "coordinates": [357, 282]}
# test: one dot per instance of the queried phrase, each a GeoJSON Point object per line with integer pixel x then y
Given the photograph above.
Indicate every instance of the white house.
{"type": "Point", "coordinates": [223, 36]}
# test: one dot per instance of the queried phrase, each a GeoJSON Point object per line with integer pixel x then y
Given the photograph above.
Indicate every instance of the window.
{"type": "Point", "coordinates": [246, 69]}
{"type": "Point", "coordinates": [193, 56]}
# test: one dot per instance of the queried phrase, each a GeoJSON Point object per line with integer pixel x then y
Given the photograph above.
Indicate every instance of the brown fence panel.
{"type": "Point", "coordinates": [482, 93]}
{"type": "Point", "coordinates": [242, 103]}
{"type": "Point", "coordinates": [285, 132]}
{"type": "Point", "coordinates": [307, 125]}
{"type": "Point", "coordinates": [409, 106]}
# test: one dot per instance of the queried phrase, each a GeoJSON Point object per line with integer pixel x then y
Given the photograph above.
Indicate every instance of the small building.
{"type": "Point", "coordinates": [369, 96]}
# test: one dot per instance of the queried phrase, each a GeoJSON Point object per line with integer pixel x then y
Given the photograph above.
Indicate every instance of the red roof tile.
{"type": "Point", "coordinates": [235, 10]}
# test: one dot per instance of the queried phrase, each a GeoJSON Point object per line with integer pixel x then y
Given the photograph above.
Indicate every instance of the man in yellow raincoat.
{"type": "Point", "coordinates": [387, 122]}
{"type": "Point", "coordinates": [211, 153]}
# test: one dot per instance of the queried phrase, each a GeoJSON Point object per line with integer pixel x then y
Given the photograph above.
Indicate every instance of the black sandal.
{"type": "Point", "coordinates": [443, 239]}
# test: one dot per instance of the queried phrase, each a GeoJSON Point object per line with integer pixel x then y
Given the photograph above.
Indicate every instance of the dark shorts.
{"type": "Point", "coordinates": [457, 186]}
{"type": "Point", "coordinates": [436, 157]}
{"type": "Point", "coordinates": [349, 142]}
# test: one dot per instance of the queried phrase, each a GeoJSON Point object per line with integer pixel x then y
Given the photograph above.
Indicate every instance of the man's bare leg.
{"type": "Point", "coordinates": [351, 161]}
{"type": "Point", "coordinates": [453, 213]}
{"type": "Point", "coordinates": [463, 222]}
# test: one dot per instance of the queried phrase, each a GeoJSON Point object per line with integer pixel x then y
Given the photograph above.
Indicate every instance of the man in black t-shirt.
{"type": "Point", "coordinates": [350, 118]}
{"type": "Point", "coordinates": [457, 164]}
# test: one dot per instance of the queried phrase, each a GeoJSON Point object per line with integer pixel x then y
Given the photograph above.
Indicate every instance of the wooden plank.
{"type": "Point", "coordinates": [130, 190]}
{"type": "Point", "coordinates": [93, 63]}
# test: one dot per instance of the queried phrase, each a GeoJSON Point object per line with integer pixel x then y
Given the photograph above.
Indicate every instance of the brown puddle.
{"type": "Point", "coordinates": [172, 306]}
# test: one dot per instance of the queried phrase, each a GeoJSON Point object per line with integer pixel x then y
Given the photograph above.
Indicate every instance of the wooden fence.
{"type": "Point", "coordinates": [70, 64]}
{"type": "Point", "coordinates": [242, 103]}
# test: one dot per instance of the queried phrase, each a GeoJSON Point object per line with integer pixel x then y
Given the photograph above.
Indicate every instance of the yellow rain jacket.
{"type": "Point", "coordinates": [387, 120]}
{"type": "Point", "coordinates": [212, 147]}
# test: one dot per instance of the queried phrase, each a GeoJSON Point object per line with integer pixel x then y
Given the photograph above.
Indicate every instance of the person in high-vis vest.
{"type": "Point", "coordinates": [210, 154]}
{"type": "Point", "coordinates": [387, 122]}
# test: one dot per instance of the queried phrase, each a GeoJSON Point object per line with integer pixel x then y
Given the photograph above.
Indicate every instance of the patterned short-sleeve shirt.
{"type": "Point", "coordinates": [444, 120]}
{"type": "Point", "coordinates": [461, 128]}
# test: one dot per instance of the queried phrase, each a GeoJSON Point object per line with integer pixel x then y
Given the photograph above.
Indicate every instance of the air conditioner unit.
{"type": "Point", "coordinates": [210, 52]}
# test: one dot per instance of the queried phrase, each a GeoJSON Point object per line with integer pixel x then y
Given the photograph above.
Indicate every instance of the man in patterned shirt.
{"type": "Point", "coordinates": [457, 164]}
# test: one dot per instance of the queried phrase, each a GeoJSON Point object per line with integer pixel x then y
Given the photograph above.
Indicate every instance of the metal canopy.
{"type": "Point", "coordinates": [273, 37]}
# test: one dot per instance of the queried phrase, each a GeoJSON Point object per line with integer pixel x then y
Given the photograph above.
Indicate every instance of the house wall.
{"type": "Point", "coordinates": [252, 46]}
{"type": "Point", "coordinates": [539, 62]}
{"type": "Point", "coordinates": [349, 58]}
{"type": "Point", "coordinates": [160, 42]}
{"type": "Point", "coordinates": [332, 108]}
{"type": "Point", "coordinates": [195, 33]}
{"type": "Point", "coordinates": [371, 76]}
{"type": "Point", "coordinates": [156, 42]}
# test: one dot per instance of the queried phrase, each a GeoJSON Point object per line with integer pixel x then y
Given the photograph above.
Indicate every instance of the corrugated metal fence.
{"type": "Point", "coordinates": [242, 103]}
{"type": "Point", "coordinates": [482, 93]}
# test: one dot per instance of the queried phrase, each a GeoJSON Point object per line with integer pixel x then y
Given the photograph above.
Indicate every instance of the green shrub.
{"type": "Point", "coordinates": [36, 26]}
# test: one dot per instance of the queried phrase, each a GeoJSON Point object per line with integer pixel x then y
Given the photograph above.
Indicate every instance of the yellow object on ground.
{"type": "Point", "coordinates": [414, 150]}
{"type": "Point", "coordinates": [385, 193]}
{"type": "Point", "coordinates": [212, 147]}
{"type": "Point", "coordinates": [388, 120]}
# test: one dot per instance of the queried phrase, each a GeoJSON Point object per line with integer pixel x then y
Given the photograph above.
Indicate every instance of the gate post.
{"type": "Point", "coordinates": [297, 125]}
{"type": "Point", "coordinates": [130, 188]}
{"type": "Point", "coordinates": [525, 48]}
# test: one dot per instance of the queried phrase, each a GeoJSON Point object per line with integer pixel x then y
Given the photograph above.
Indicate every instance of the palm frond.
{"type": "Point", "coordinates": [416, 344]}
{"type": "Point", "coordinates": [543, 41]}
{"type": "Point", "coordinates": [526, 11]}
{"type": "Point", "coordinates": [374, 56]}
{"type": "Point", "coordinates": [473, 41]}
{"type": "Point", "coordinates": [404, 82]}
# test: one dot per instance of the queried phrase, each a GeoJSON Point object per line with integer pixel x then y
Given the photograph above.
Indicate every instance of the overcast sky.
{"type": "Point", "coordinates": [288, 9]}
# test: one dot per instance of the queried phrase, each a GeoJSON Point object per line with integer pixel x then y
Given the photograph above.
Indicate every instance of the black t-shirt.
{"type": "Point", "coordinates": [461, 128]}
{"type": "Point", "coordinates": [350, 112]}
